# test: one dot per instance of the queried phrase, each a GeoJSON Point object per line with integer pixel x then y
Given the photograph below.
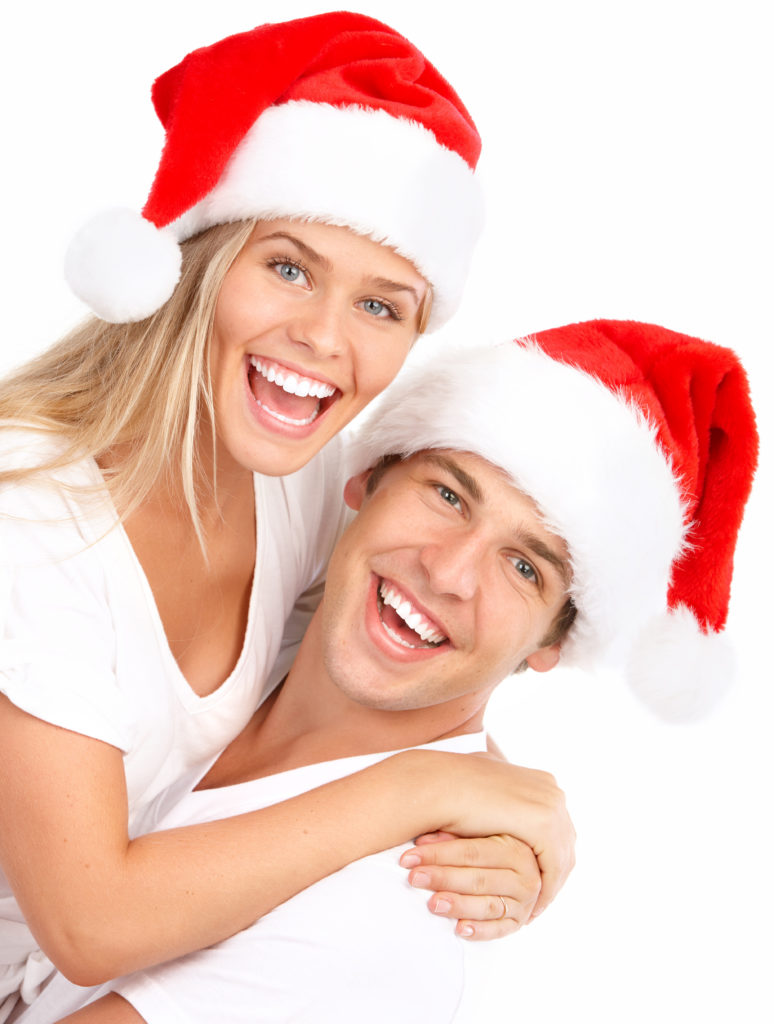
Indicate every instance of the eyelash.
{"type": "Point", "coordinates": [392, 309]}
{"type": "Point", "coordinates": [443, 489]}
{"type": "Point", "coordinates": [281, 261]}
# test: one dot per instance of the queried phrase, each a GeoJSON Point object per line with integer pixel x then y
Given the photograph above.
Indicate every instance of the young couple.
{"type": "Point", "coordinates": [172, 480]}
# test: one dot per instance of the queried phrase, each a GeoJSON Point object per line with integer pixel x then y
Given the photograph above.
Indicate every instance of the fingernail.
{"type": "Point", "coordinates": [466, 931]}
{"type": "Point", "coordinates": [441, 907]}
{"type": "Point", "coordinates": [420, 880]}
{"type": "Point", "coordinates": [410, 860]}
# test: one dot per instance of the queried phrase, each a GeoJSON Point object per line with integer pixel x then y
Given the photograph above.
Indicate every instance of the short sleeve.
{"type": "Point", "coordinates": [57, 639]}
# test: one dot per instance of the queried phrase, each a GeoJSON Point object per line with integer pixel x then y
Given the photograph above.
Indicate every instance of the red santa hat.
{"type": "Point", "coordinates": [638, 445]}
{"type": "Point", "coordinates": [334, 118]}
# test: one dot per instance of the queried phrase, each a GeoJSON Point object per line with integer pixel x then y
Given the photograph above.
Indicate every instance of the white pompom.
{"type": "Point", "coordinates": [676, 670]}
{"type": "Point", "coordinates": [122, 266]}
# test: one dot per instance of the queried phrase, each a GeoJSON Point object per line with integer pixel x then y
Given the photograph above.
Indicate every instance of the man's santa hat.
{"type": "Point", "coordinates": [639, 446]}
{"type": "Point", "coordinates": [334, 118]}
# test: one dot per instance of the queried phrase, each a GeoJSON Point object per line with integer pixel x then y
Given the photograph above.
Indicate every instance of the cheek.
{"type": "Point", "coordinates": [378, 363]}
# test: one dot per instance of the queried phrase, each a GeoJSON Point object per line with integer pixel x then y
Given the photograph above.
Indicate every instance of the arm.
{"type": "Point", "coordinates": [110, 1009]}
{"type": "Point", "coordinates": [361, 940]}
{"type": "Point", "coordinates": [102, 905]}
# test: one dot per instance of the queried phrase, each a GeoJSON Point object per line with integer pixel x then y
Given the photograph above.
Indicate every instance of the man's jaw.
{"type": "Point", "coordinates": [287, 396]}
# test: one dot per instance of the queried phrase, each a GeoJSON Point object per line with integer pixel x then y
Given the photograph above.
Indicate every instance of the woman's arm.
{"type": "Point", "coordinates": [101, 905]}
{"type": "Point", "coordinates": [110, 1009]}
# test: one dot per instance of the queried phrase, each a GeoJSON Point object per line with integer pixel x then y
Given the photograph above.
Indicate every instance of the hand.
{"type": "Point", "coordinates": [490, 885]}
{"type": "Point", "coordinates": [481, 795]}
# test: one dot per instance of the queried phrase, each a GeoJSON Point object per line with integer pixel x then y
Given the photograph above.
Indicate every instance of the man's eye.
{"type": "Point", "coordinates": [448, 495]}
{"type": "Point", "coordinates": [523, 568]}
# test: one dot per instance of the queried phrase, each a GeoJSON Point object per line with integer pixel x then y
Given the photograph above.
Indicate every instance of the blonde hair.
{"type": "Point", "coordinates": [142, 386]}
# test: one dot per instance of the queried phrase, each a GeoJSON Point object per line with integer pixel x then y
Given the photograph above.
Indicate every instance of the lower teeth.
{"type": "Point", "coordinates": [399, 639]}
{"type": "Point", "coordinates": [286, 419]}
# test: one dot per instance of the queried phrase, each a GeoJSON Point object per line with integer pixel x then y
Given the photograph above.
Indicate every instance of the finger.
{"type": "Point", "coordinates": [489, 882]}
{"type": "Point", "coordinates": [492, 851]}
{"type": "Point", "coordinates": [481, 909]}
{"type": "Point", "coordinates": [553, 877]}
{"type": "Point", "coordinates": [484, 931]}
{"type": "Point", "coordinates": [434, 837]}
{"type": "Point", "coordinates": [502, 852]}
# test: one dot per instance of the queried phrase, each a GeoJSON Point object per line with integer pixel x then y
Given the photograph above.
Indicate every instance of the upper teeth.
{"type": "Point", "coordinates": [414, 619]}
{"type": "Point", "coordinates": [291, 382]}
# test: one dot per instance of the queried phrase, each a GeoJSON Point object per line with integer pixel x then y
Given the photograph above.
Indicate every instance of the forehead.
{"type": "Point", "coordinates": [328, 242]}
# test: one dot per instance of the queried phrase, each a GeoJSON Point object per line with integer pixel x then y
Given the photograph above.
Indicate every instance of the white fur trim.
{"type": "Point", "coordinates": [586, 457]}
{"type": "Point", "coordinates": [122, 266]}
{"type": "Point", "coordinates": [678, 671]}
{"type": "Point", "coordinates": [382, 176]}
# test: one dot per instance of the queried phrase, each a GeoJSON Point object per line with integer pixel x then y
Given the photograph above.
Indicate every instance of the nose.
{"type": "Point", "coordinates": [318, 326]}
{"type": "Point", "coordinates": [453, 565]}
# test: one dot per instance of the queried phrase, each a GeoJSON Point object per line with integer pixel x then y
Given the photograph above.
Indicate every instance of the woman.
{"type": "Point", "coordinates": [148, 572]}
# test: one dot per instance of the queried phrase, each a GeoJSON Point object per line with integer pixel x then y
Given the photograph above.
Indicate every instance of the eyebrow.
{"type": "Point", "coordinates": [309, 253]}
{"type": "Point", "coordinates": [312, 256]}
{"type": "Point", "coordinates": [534, 544]}
{"type": "Point", "coordinates": [463, 479]}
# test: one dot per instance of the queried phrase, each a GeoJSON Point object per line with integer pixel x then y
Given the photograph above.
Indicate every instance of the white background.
{"type": "Point", "coordinates": [628, 167]}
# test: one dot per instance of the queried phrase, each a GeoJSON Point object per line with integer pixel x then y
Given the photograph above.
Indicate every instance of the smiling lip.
{"type": "Point", "coordinates": [286, 399]}
{"type": "Point", "coordinates": [394, 637]}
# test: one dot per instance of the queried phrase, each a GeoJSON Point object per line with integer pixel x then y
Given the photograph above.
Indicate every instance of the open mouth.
{"type": "Point", "coordinates": [287, 396]}
{"type": "Point", "coordinates": [404, 623]}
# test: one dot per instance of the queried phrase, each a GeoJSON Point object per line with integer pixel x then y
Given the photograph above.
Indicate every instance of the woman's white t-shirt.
{"type": "Point", "coordinates": [83, 647]}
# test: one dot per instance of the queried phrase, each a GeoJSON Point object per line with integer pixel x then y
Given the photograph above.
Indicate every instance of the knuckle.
{"type": "Point", "coordinates": [479, 883]}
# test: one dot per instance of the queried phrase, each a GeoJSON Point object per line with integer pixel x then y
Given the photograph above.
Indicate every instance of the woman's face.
{"type": "Point", "coordinates": [312, 322]}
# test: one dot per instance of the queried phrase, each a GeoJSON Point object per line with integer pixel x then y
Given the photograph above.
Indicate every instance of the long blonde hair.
{"type": "Point", "coordinates": [142, 386]}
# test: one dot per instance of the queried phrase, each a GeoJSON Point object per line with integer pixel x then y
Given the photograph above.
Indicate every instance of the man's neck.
{"type": "Point", "coordinates": [309, 720]}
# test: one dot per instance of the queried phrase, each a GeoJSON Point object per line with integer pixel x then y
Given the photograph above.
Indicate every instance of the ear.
{"type": "Point", "coordinates": [544, 658]}
{"type": "Point", "coordinates": [355, 489]}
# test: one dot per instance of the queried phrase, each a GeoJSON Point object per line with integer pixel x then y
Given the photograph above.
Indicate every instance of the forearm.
{"type": "Point", "coordinates": [171, 892]}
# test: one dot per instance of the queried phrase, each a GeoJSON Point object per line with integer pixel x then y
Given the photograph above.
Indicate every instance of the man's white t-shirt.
{"type": "Point", "coordinates": [359, 946]}
{"type": "Point", "coordinates": [82, 645]}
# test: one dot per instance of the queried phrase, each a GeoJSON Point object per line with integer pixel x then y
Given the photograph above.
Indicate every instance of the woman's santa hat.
{"type": "Point", "coordinates": [639, 446]}
{"type": "Point", "coordinates": [334, 118]}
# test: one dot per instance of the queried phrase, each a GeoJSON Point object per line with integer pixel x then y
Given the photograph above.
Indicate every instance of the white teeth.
{"type": "Point", "coordinates": [414, 619]}
{"type": "Point", "coordinates": [291, 382]}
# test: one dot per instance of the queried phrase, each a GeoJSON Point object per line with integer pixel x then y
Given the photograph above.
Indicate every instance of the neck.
{"type": "Point", "coordinates": [310, 720]}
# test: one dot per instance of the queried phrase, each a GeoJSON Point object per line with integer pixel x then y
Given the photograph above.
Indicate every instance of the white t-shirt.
{"type": "Point", "coordinates": [358, 946]}
{"type": "Point", "coordinates": [83, 647]}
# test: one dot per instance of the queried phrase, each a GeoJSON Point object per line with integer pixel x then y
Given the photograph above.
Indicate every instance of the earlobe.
{"type": "Point", "coordinates": [355, 490]}
{"type": "Point", "coordinates": [545, 658]}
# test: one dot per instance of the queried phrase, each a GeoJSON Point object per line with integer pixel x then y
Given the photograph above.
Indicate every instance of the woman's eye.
{"type": "Point", "coordinates": [523, 568]}
{"type": "Point", "coordinates": [290, 272]}
{"type": "Point", "coordinates": [380, 309]}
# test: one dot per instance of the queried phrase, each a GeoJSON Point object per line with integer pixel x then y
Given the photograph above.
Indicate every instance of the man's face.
{"type": "Point", "coordinates": [444, 583]}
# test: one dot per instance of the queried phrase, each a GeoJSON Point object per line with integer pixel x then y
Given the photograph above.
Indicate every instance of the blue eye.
{"type": "Point", "coordinates": [523, 568]}
{"type": "Point", "coordinates": [291, 272]}
{"type": "Point", "coordinates": [380, 309]}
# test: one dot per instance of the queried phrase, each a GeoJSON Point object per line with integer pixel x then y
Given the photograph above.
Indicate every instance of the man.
{"type": "Point", "coordinates": [577, 496]}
